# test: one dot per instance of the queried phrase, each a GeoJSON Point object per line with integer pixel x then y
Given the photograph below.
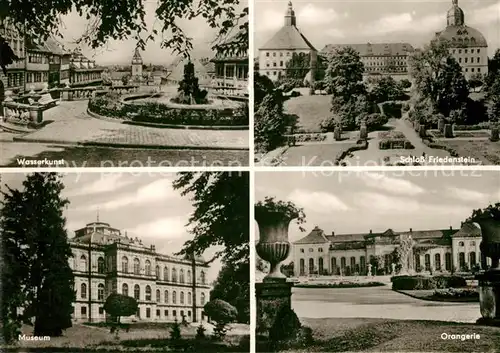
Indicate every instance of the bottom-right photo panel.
{"type": "Point", "coordinates": [400, 261]}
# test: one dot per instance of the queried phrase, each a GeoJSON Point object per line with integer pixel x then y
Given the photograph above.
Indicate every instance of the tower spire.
{"type": "Point", "coordinates": [97, 213]}
{"type": "Point", "coordinates": [290, 19]}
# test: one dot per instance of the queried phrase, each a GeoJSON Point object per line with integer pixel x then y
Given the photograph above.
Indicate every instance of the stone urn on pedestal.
{"type": "Point", "coordinates": [274, 292]}
{"type": "Point", "coordinates": [489, 280]}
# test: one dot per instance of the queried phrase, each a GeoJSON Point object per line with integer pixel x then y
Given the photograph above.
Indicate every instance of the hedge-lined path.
{"type": "Point", "coordinates": [72, 125]}
{"type": "Point", "coordinates": [377, 302]}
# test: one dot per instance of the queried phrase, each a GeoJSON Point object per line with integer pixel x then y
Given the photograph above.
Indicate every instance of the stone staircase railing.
{"type": "Point", "coordinates": [22, 114]}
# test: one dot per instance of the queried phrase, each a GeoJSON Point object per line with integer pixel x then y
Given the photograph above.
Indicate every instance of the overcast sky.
{"type": "Point", "coordinates": [144, 205]}
{"type": "Point", "coordinates": [356, 202]}
{"type": "Point", "coordinates": [375, 21]}
{"type": "Point", "coordinates": [121, 52]}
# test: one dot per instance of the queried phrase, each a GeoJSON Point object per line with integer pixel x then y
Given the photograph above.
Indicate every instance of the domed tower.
{"type": "Point", "coordinates": [137, 64]}
{"type": "Point", "coordinates": [290, 19]}
{"type": "Point", "coordinates": [455, 15]}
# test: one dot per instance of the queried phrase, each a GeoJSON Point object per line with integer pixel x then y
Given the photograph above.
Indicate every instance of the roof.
{"type": "Point", "coordinates": [49, 46]}
{"type": "Point", "coordinates": [316, 236]}
{"type": "Point", "coordinates": [373, 49]}
{"type": "Point", "coordinates": [116, 75]}
{"type": "Point", "coordinates": [210, 67]}
{"type": "Point", "coordinates": [463, 36]}
{"type": "Point", "coordinates": [288, 37]}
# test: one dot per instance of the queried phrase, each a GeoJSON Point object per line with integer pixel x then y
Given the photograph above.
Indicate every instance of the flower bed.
{"type": "Point", "coordinates": [421, 282]}
{"type": "Point", "coordinates": [309, 138]}
{"type": "Point", "coordinates": [462, 133]}
{"type": "Point", "coordinates": [457, 293]}
{"type": "Point", "coordinates": [481, 126]}
{"type": "Point", "coordinates": [394, 140]}
{"type": "Point", "coordinates": [111, 106]}
{"type": "Point", "coordinates": [340, 285]}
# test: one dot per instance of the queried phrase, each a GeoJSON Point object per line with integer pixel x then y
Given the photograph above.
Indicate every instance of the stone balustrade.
{"type": "Point", "coordinates": [78, 93]}
{"type": "Point", "coordinates": [123, 89]}
{"type": "Point", "coordinates": [22, 114]}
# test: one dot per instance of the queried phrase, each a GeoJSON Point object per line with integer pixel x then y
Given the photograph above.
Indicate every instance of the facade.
{"type": "Point", "coordinates": [46, 65]}
{"type": "Point", "coordinates": [105, 261]}
{"type": "Point", "coordinates": [83, 71]}
{"type": "Point", "coordinates": [468, 46]}
{"type": "Point", "coordinates": [445, 250]}
{"type": "Point", "coordinates": [274, 55]}
{"type": "Point", "coordinates": [16, 73]}
{"type": "Point", "coordinates": [380, 58]}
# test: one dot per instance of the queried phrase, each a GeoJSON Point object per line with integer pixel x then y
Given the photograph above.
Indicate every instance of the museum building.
{"type": "Point", "coordinates": [105, 261]}
{"type": "Point", "coordinates": [444, 250]}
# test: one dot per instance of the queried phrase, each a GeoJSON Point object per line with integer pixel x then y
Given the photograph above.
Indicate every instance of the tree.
{"type": "Point", "coordinates": [493, 70]}
{"type": "Point", "coordinates": [405, 84]}
{"type": "Point", "coordinates": [493, 100]}
{"type": "Point", "coordinates": [126, 79]}
{"type": "Point", "coordinates": [34, 236]}
{"type": "Point", "coordinates": [476, 81]}
{"type": "Point", "coordinates": [127, 19]}
{"type": "Point", "coordinates": [223, 313]}
{"type": "Point", "coordinates": [298, 66]}
{"type": "Point", "coordinates": [427, 65]}
{"type": "Point", "coordinates": [386, 89]}
{"type": "Point", "coordinates": [118, 305]}
{"type": "Point", "coordinates": [270, 124]}
{"type": "Point", "coordinates": [452, 88]}
{"type": "Point", "coordinates": [175, 331]}
{"type": "Point", "coordinates": [189, 88]}
{"type": "Point", "coordinates": [221, 218]}
{"type": "Point", "coordinates": [262, 87]}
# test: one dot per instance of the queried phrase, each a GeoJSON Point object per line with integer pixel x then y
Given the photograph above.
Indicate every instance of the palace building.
{"type": "Point", "coordinates": [441, 250]}
{"type": "Point", "coordinates": [83, 71]}
{"type": "Point", "coordinates": [274, 55]}
{"type": "Point", "coordinates": [468, 45]}
{"type": "Point", "coordinates": [106, 261]}
{"type": "Point", "coordinates": [379, 58]}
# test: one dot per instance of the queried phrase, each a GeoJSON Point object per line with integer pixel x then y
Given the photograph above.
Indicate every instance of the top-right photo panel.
{"type": "Point", "coordinates": [377, 83]}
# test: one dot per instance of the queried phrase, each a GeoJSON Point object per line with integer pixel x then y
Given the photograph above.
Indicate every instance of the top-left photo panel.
{"type": "Point", "coordinates": [124, 84]}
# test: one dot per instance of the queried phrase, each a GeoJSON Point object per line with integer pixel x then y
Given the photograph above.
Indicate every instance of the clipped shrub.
{"type": "Point", "coordinates": [363, 133]}
{"type": "Point", "coordinates": [286, 325]}
{"type": "Point", "coordinates": [494, 134]}
{"type": "Point", "coordinates": [221, 312]}
{"type": "Point", "coordinates": [200, 332]}
{"type": "Point", "coordinates": [118, 305]}
{"type": "Point", "coordinates": [421, 282]}
{"type": "Point", "coordinates": [448, 131]}
{"type": "Point", "coordinates": [175, 331]}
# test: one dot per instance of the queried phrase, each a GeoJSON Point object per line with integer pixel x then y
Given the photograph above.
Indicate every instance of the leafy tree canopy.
{"type": "Point", "coordinates": [118, 305]}
{"type": "Point", "coordinates": [220, 311]}
{"type": "Point", "coordinates": [452, 87]}
{"type": "Point", "coordinates": [344, 74]}
{"type": "Point", "coordinates": [123, 19]}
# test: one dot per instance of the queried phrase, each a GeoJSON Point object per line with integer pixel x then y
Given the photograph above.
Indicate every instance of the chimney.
{"type": "Point", "coordinates": [370, 231]}
{"type": "Point", "coordinates": [333, 233]}
{"type": "Point", "coordinates": [411, 230]}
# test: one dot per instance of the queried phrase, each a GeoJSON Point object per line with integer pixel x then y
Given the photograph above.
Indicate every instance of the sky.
{"type": "Point", "coordinates": [357, 202]}
{"type": "Point", "coordinates": [120, 52]}
{"type": "Point", "coordinates": [362, 21]}
{"type": "Point", "coordinates": [144, 205]}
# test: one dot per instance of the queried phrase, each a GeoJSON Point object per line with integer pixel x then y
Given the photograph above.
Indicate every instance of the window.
{"type": "Point", "coordinates": [320, 250]}
{"type": "Point", "coordinates": [125, 289]}
{"type": "Point", "coordinates": [189, 298]}
{"type": "Point", "coordinates": [189, 276]}
{"type": "Point", "coordinates": [274, 64]}
{"type": "Point", "coordinates": [302, 267]}
{"type": "Point", "coordinates": [157, 313]}
{"type": "Point", "coordinates": [182, 314]}
{"type": "Point", "coordinates": [472, 70]}
{"type": "Point", "coordinates": [427, 259]}
{"type": "Point", "coordinates": [465, 51]}
{"type": "Point", "coordinates": [301, 250]}
{"type": "Point", "coordinates": [311, 250]}
{"type": "Point", "coordinates": [182, 297]}
{"type": "Point", "coordinates": [124, 264]}
{"type": "Point", "coordinates": [83, 291]}
{"type": "Point", "coordinates": [274, 54]}
{"type": "Point", "coordinates": [157, 272]}
{"type": "Point", "coordinates": [101, 310]}
{"type": "Point", "coordinates": [158, 296]}
{"type": "Point", "coordinates": [148, 312]}
{"type": "Point", "coordinates": [83, 263]}
{"type": "Point", "coordinates": [281, 63]}
{"type": "Point", "coordinates": [181, 276]}
{"type": "Point", "coordinates": [320, 266]}
{"type": "Point", "coordinates": [437, 262]}
{"type": "Point", "coordinates": [281, 54]}
{"type": "Point", "coordinates": [137, 266]}
{"type": "Point", "coordinates": [334, 265]}
{"type": "Point", "coordinates": [165, 313]}
{"type": "Point", "coordinates": [478, 60]}
{"type": "Point", "coordinates": [174, 275]}
{"type": "Point", "coordinates": [461, 260]}
{"type": "Point", "coordinates": [473, 243]}
{"type": "Point", "coordinates": [166, 297]}
{"type": "Point", "coordinates": [202, 299]}
{"type": "Point", "coordinates": [174, 313]}
{"type": "Point", "coordinates": [100, 265]}
{"type": "Point", "coordinates": [189, 313]}
{"type": "Point", "coordinates": [478, 51]}
{"type": "Point", "coordinates": [472, 258]}
{"type": "Point", "coordinates": [342, 263]}
{"type": "Point", "coordinates": [148, 293]}
{"type": "Point", "coordinates": [447, 261]}
{"type": "Point", "coordinates": [148, 268]}
{"type": "Point", "coordinates": [165, 274]}
{"type": "Point", "coordinates": [267, 54]}
{"type": "Point", "coordinates": [137, 292]}
{"type": "Point", "coordinates": [478, 69]}
{"type": "Point", "coordinates": [202, 277]}
{"type": "Point", "coordinates": [174, 297]}
{"type": "Point", "coordinates": [83, 311]}
{"type": "Point", "coordinates": [100, 292]}
{"type": "Point", "coordinates": [461, 243]}
{"type": "Point", "coordinates": [466, 60]}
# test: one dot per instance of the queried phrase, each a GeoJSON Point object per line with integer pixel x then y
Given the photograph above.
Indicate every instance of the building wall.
{"type": "Point", "coordinates": [272, 63]}
{"type": "Point", "coordinates": [474, 60]}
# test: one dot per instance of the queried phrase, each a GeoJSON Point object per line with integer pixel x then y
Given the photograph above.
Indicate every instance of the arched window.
{"type": "Point", "coordinates": [137, 266]}
{"type": "Point", "coordinates": [174, 275]}
{"type": "Point", "coordinates": [158, 296]}
{"type": "Point", "coordinates": [202, 299]}
{"type": "Point", "coordinates": [148, 268]}
{"type": "Point", "coordinates": [166, 297]}
{"type": "Point", "coordinates": [342, 263]}
{"type": "Point", "coordinates": [334, 265]}
{"type": "Point", "coordinates": [165, 274]}
{"type": "Point", "coordinates": [437, 262]}
{"type": "Point", "coordinates": [472, 258]}
{"type": "Point", "coordinates": [182, 297]}
{"type": "Point", "coordinates": [427, 259]}
{"type": "Point", "coordinates": [320, 266]}
{"type": "Point", "coordinates": [189, 298]}
{"type": "Point", "coordinates": [148, 293]}
{"type": "Point", "coordinates": [461, 243]}
{"type": "Point", "coordinates": [100, 291]}
{"type": "Point", "coordinates": [174, 297]}
{"type": "Point", "coordinates": [302, 269]}
{"type": "Point", "coordinates": [83, 264]}
{"type": "Point", "coordinates": [137, 292]}
{"type": "Point", "coordinates": [189, 276]}
{"type": "Point", "coordinates": [100, 265]}
{"type": "Point", "coordinates": [124, 264]}
{"type": "Point", "coordinates": [202, 277]}
{"type": "Point", "coordinates": [125, 289]}
{"type": "Point", "coordinates": [461, 260]}
{"type": "Point", "coordinates": [311, 266]}
{"type": "Point", "coordinates": [447, 261]}
{"type": "Point", "coordinates": [181, 276]}
{"type": "Point", "coordinates": [157, 272]}
{"type": "Point", "coordinates": [83, 291]}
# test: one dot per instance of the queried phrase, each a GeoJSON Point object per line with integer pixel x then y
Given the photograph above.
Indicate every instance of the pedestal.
{"type": "Point", "coordinates": [271, 297]}
{"type": "Point", "coordinates": [489, 298]}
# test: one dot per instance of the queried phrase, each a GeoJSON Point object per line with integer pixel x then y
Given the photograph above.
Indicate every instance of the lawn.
{"type": "Point", "coordinates": [484, 151]}
{"type": "Point", "coordinates": [311, 110]}
{"type": "Point", "coordinates": [314, 155]}
{"type": "Point", "coordinates": [381, 335]}
{"type": "Point", "coordinates": [463, 134]}
{"type": "Point", "coordinates": [428, 294]}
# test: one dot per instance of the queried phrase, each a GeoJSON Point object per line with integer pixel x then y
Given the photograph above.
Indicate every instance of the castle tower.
{"type": "Point", "coordinates": [137, 64]}
{"type": "Point", "coordinates": [455, 15]}
{"type": "Point", "coordinates": [290, 19]}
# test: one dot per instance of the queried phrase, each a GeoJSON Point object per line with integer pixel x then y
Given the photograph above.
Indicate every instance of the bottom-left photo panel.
{"type": "Point", "coordinates": [129, 262]}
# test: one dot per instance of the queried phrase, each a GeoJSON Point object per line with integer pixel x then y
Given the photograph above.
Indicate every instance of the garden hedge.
{"type": "Point", "coordinates": [421, 282]}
